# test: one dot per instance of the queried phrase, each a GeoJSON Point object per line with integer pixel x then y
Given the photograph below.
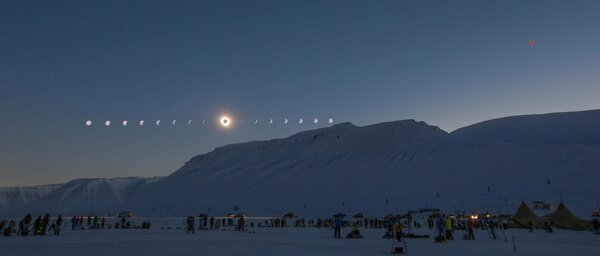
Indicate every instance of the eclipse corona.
{"type": "Point", "coordinates": [225, 121]}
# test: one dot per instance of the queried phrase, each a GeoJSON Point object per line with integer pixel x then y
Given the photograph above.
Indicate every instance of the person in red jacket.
{"type": "Point", "coordinates": [470, 227]}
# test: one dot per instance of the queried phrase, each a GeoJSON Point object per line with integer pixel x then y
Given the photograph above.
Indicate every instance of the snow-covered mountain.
{"type": "Point", "coordinates": [378, 168]}
{"type": "Point", "coordinates": [87, 196]}
{"type": "Point", "coordinates": [16, 197]}
{"type": "Point", "coordinates": [375, 169]}
{"type": "Point", "coordinates": [573, 127]}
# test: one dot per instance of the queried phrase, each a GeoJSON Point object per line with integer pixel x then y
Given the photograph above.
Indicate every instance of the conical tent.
{"type": "Point", "coordinates": [524, 216]}
{"type": "Point", "coordinates": [564, 218]}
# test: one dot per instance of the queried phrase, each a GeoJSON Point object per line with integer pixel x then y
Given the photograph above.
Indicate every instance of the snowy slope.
{"type": "Point", "coordinates": [15, 197]}
{"type": "Point", "coordinates": [88, 196]}
{"type": "Point", "coordinates": [294, 242]}
{"type": "Point", "coordinates": [577, 127]}
{"type": "Point", "coordinates": [355, 169]}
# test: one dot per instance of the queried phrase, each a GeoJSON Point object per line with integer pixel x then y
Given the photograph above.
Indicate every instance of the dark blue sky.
{"type": "Point", "coordinates": [449, 63]}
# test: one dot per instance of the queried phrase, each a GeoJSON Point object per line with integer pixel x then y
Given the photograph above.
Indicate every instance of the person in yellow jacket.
{"type": "Point", "coordinates": [449, 228]}
{"type": "Point", "coordinates": [398, 231]}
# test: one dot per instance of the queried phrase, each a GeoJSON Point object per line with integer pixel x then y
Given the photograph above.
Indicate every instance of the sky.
{"type": "Point", "coordinates": [448, 63]}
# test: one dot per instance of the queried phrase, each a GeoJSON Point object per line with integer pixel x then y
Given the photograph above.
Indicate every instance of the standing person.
{"type": "Point", "coordinates": [89, 222]}
{"type": "Point", "coordinates": [550, 226]}
{"type": "Point", "coordinates": [530, 226]}
{"type": "Point", "coordinates": [37, 224]}
{"type": "Point", "coordinates": [241, 224]}
{"type": "Point", "coordinates": [337, 228]}
{"type": "Point", "coordinates": [102, 222]}
{"type": "Point", "coordinates": [21, 230]}
{"type": "Point", "coordinates": [504, 225]}
{"type": "Point", "coordinates": [26, 223]}
{"type": "Point", "coordinates": [95, 226]}
{"type": "Point", "coordinates": [212, 223]}
{"type": "Point", "coordinates": [492, 226]}
{"type": "Point", "coordinates": [596, 226]}
{"type": "Point", "coordinates": [470, 227]}
{"type": "Point", "coordinates": [398, 231]}
{"type": "Point", "coordinates": [73, 222]}
{"type": "Point", "coordinates": [190, 224]}
{"type": "Point", "coordinates": [45, 223]}
{"type": "Point", "coordinates": [58, 226]}
{"type": "Point", "coordinates": [187, 225]}
{"type": "Point", "coordinates": [448, 227]}
{"type": "Point", "coordinates": [52, 226]}
{"type": "Point", "coordinates": [430, 222]}
{"type": "Point", "coordinates": [441, 226]}
{"type": "Point", "coordinates": [217, 225]}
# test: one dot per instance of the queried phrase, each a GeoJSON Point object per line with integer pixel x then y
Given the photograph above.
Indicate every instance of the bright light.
{"type": "Point", "coordinates": [225, 121]}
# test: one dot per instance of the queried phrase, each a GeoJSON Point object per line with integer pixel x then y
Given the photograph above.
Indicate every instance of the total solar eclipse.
{"type": "Point", "coordinates": [225, 121]}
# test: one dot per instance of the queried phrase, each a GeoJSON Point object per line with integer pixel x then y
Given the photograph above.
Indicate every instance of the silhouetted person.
{"type": "Point", "coordinates": [58, 226]}
{"type": "Point", "coordinates": [37, 224]}
{"type": "Point", "coordinates": [530, 226]}
{"type": "Point", "coordinates": [470, 227]}
{"type": "Point", "coordinates": [337, 227]}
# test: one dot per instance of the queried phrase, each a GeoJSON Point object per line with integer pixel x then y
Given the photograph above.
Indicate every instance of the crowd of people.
{"type": "Point", "coordinates": [442, 226]}
{"type": "Point", "coordinates": [77, 222]}
{"type": "Point", "coordinates": [211, 223]}
{"type": "Point", "coordinates": [46, 224]}
{"type": "Point", "coordinates": [27, 226]}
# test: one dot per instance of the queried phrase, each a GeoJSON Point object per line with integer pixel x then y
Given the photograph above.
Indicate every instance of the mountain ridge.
{"type": "Point", "coordinates": [380, 168]}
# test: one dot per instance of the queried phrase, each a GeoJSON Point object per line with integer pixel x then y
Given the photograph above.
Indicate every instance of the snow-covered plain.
{"type": "Point", "coordinates": [290, 241]}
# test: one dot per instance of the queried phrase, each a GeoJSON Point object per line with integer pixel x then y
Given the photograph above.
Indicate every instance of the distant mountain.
{"type": "Point", "coordinates": [375, 169]}
{"type": "Point", "coordinates": [16, 197]}
{"type": "Point", "coordinates": [87, 196]}
{"type": "Point", "coordinates": [567, 127]}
